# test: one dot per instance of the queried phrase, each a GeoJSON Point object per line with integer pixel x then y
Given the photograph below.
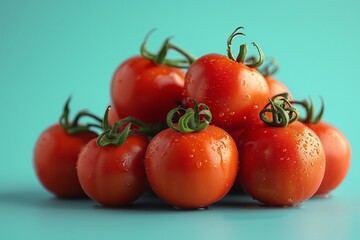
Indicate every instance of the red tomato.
{"type": "Point", "coordinates": [191, 170]}
{"type": "Point", "coordinates": [234, 92]}
{"type": "Point", "coordinates": [145, 90]}
{"type": "Point", "coordinates": [113, 175]}
{"type": "Point", "coordinates": [338, 155]}
{"type": "Point", "coordinates": [281, 166]}
{"type": "Point", "coordinates": [276, 87]}
{"type": "Point", "coordinates": [55, 156]}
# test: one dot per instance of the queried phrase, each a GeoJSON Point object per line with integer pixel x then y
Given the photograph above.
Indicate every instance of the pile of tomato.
{"type": "Point", "coordinates": [189, 137]}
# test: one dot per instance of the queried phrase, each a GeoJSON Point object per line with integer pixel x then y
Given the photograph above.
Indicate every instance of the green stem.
{"type": "Point", "coordinates": [241, 57]}
{"type": "Point", "coordinates": [112, 135]}
{"type": "Point", "coordinates": [270, 68]}
{"type": "Point", "coordinates": [309, 107]}
{"type": "Point", "coordinates": [282, 112]}
{"type": "Point", "coordinates": [194, 119]}
{"type": "Point", "coordinates": [74, 127]}
{"type": "Point", "coordinates": [160, 57]}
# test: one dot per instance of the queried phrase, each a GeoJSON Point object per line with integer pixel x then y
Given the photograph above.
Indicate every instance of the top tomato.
{"type": "Point", "coordinates": [146, 90]}
{"type": "Point", "coordinates": [235, 92]}
{"type": "Point", "coordinates": [147, 87]}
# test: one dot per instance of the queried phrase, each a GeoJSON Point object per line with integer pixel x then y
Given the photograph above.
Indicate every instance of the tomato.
{"type": "Point", "coordinates": [191, 170]}
{"type": "Point", "coordinates": [146, 90]}
{"type": "Point", "coordinates": [338, 155]}
{"type": "Point", "coordinates": [113, 175]}
{"type": "Point", "coordinates": [147, 87]}
{"type": "Point", "coordinates": [336, 146]}
{"type": "Point", "coordinates": [55, 156]}
{"type": "Point", "coordinates": [56, 153]}
{"type": "Point", "coordinates": [281, 161]}
{"type": "Point", "coordinates": [234, 91]}
{"type": "Point", "coordinates": [276, 87]}
{"type": "Point", "coordinates": [281, 166]}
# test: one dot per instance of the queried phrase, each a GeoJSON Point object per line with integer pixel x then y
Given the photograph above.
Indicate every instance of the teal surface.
{"type": "Point", "coordinates": [52, 49]}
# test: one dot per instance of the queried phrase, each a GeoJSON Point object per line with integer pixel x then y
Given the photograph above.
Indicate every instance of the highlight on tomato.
{"type": "Point", "coordinates": [336, 145]}
{"type": "Point", "coordinates": [191, 164]}
{"type": "Point", "coordinates": [148, 86]}
{"type": "Point", "coordinates": [281, 161]}
{"type": "Point", "coordinates": [234, 90]}
{"type": "Point", "coordinates": [56, 153]}
{"type": "Point", "coordinates": [111, 167]}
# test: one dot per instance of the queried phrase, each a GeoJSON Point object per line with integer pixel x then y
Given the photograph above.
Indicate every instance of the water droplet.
{"type": "Point", "coordinates": [281, 159]}
{"type": "Point", "coordinates": [215, 166]}
{"type": "Point", "coordinates": [290, 200]}
{"type": "Point", "coordinates": [284, 150]}
{"type": "Point", "coordinates": [232, 113]}
{"type": "Point", "coordinates": [248, 96]}
{"type": "Point", "coordinates": [312, 163]}
{"type": "Point", "coordinates": [199, 164]}
{"type": "Point", "coordinates": [193, 150]}
{"type": "Point", "coordinates": [128, 185]}
{"type": "Point", "coordinates": [191, 155]}
{"type": "Point", "coordinates": [264, 178]}
{"type": "Point", "coordinates": [256, 107]}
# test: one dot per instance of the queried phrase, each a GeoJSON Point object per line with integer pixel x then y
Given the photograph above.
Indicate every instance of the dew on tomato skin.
{"type": "Point", "coordinates": [198, 164]}
{"type": "Point", "coordinates": [191, 155]}
{"type": "Point", "coordinates": [232, 113]}
{"type": "Point", "coordinates": [248, 96]}
{"type": "Point", "coordinates": [284, 150]}
{"type": "Point", "coordinates": [221, 114]}
{"type": "Point", "coordinates": [256, 107]}
{"type": "Point", "coordinates": [290, 200]}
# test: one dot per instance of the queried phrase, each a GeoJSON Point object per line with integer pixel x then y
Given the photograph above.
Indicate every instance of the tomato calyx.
{"type": "Point", "coordinates": [282, 112]}
{"type": "Point", "coordinates": [270, 68]}
{"type": "Point", "coordinates": [243, 49]}
{"type": "Point", "coordinates": [309, 107]}
{"type": "Point", "coordinates": [193, 120]}
{"type": "Point", "coordinates": [113, 135]}
{"type": "Point", "coordinates": [73, 127]}
{"type": "Point", "coordinates": [160, 57]}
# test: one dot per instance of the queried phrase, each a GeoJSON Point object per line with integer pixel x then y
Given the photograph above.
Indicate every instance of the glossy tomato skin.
{"type": "Point", "coordinates": [276, 87]}
{"type": "Point", "coordinates": [338, 155]}
{"type": "Point", "coordinates": [281, 166]}
{"type": "Point", "coordinates": [113, 175]}
{"type": "Point", "coordinates": [142, 89]}
{"type": "Point", "coordinates": [55, 156]}
{"type": "Point", "coordinates": [234, 92]}
{"type": "Point", "coordinates": [191, 170]}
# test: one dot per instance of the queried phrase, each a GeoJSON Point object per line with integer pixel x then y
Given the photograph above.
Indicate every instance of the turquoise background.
{"type": "Point", "coordinates": [52, 49]}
